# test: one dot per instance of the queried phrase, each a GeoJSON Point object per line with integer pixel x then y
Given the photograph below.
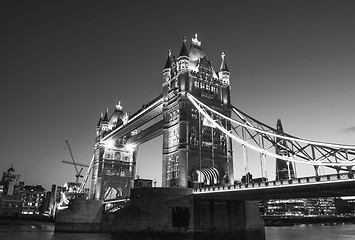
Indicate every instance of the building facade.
{"type": "Point", "coordinates": [33, 199]}
{"type": "Point", "coordinates": [299, 207]}
{"type": "Point", "coordinates": [11, 194]}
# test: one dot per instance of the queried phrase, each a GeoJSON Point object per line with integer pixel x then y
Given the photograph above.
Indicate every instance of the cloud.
{"type": "Point", "coordinates": [348, 130]}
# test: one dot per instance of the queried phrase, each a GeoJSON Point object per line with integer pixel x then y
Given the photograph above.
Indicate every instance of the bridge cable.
{"type": "Point", "coordinates": [286, 136]}
{"type": "Point", "coordinates": [258, 149]}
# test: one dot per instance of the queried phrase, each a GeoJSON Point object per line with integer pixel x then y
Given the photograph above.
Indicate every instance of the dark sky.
{"type": "Point", "coordinates": [64, 62]}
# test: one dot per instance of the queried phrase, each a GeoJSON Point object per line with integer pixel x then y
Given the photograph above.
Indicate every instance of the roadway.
{"type": "Point", "coordinates": [335, 185]}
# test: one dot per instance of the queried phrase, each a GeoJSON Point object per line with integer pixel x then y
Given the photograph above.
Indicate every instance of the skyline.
{"type": "Point", "coordinates": [64, 63]}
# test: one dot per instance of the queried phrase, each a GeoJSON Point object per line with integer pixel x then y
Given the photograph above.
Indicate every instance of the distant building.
{"type": "Point", "coordinates": [345, 205]}
{"type": "Point", "coordinates": [299, 207]}
{"type": "Point", "coordinates": [33, 199]}
{"type": "Point", "coordinates": [10, 193]}
{"type": "Point", "coordinates": [53, 200]}
{"type": "Point", "coordinates": [284, 169]}
{"type": "Point", "coordinates": [10, 179]}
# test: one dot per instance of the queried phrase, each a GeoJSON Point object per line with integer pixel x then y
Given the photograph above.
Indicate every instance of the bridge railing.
{"type": "Point", "coordinates": [276, 183]}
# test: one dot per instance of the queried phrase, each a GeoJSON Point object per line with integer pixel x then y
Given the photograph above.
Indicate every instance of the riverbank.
{"type": "Point", "coordinates": [292, 220]}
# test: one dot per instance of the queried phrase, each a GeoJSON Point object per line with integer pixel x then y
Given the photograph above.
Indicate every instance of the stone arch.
{"type": "Point", "coordinates": [205, 176]}
{"type": "Point", "coordinates": [112, 193]}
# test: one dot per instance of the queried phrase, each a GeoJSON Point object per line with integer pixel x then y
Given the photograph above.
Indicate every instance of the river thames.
{"type": "Point", "coordinates": [298, 232]}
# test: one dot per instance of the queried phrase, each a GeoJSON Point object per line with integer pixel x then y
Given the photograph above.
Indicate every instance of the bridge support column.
{"type": "Point", "coordinates": [175, 211]}
{"type": "Point", "coordinates": [228, 217]}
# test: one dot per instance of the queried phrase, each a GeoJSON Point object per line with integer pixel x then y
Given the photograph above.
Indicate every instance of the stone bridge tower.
{"type": "Point", "coordinates": [194, 153]}
{"type": "Point", "coordinates": [114, 166]}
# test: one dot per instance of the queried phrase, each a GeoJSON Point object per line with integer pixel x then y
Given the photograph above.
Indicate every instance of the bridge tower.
{"type": "Point", "coordinates": [194, 153]}
{"type": "Point", "coordinates": [114, 165]}
{"type": "Point", "coordinates": [284, 169]}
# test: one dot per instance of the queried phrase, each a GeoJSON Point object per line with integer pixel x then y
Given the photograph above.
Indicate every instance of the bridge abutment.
{"type": "Point", "coordinates": [165, 211]}
{"type": "Point", "coordinates": [80, 216]}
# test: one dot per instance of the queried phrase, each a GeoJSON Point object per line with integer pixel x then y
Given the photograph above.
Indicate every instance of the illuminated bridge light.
{"type": "Point", "coordinates": [129, 147]}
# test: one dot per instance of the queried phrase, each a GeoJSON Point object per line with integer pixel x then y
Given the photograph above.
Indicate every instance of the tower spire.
{"type": "Point", "coordinates": [183, 51]}
{"type": "Point", "coordinates": [100, 119]}
{"type": "Point", "coordinates": [224, 74]}
{"type": "Point", "coordinates": [168, 61]}
{"type": "Point", "coordinates": [105, 119]}
{"type": "Point", "coordinates": [223, 67]}
{"type": "Point", "coordinates": [167, 68]}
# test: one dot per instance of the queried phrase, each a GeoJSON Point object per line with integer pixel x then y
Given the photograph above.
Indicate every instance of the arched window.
{"type": "Point", "coordinates": [117, 156]}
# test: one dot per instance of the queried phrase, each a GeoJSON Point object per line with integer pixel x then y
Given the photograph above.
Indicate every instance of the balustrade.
{"type": "Point", "coordinates": [304, 180]}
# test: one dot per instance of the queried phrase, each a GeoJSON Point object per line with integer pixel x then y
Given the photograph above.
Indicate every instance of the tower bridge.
{"type": "Point", "coordinates": [198, 122]}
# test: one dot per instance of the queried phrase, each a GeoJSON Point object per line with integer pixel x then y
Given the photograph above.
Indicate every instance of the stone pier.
{"type": "Point", "coordinates": [175, 211]}
{"type": "Point", "coordinates": [80, 216]}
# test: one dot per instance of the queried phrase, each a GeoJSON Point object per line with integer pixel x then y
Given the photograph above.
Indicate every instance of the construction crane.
{"type": "Point", "coordinates": [77, 164]}
{"type": "Point", "coordinates": [77, 176]}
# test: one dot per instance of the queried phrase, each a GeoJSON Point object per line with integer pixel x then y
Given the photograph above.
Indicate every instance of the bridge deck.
{"type": "Point", "coordinates": [335, 185]}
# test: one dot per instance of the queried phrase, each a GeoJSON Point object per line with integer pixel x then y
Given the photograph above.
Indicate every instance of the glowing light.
{"type": "Point", "coordinates": [130, 147]}
{"type": "Point", "coordinates": [207, 123]}
{"type": "Point", "coordinates": [110, 143]}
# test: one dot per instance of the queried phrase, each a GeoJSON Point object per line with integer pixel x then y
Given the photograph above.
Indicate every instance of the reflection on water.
{"type": "Point", "coordinates": [36, 233]}
{"type": "Point", "coordinates": [22, 230]}
{"type": "Point", "coordinates": [298, 232]}
{"type": "Point", "coordinates": [312, 232]}
{"type": "Point", "coordinates": [196, 236]}
{"type": "Point", "coordinates": [26, 235]}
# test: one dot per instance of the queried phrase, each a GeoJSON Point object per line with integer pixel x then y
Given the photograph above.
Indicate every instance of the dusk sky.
{"type": "Point", "coordinates": [64, 62]}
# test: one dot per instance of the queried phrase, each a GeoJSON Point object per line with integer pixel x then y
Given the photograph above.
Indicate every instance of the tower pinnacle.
{"type": "Point", "coordinates": [168, 61]}
{"type": "Point", "coordinates": [119, 106]}
{"type": "Point", "coordinates": [183, 51]}
{"type": "Point", "coordinates": [195, 41]}
{"type": "Point", "coordinates": [105, 119]}
{"type": "Point", "coordinates": [223, 67]}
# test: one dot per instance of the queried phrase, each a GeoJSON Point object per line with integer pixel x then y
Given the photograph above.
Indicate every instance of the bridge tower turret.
{"type": "Point", "coordinates": [98, 129]}
{"type": "Point", "coordinates": [104, 124]}
{"type": "Point", "coordinates": [224, 74]}
{"type": "Point", "coordinates": [194, 153]}
{"type": "Point", "coordinates": [167, 68]}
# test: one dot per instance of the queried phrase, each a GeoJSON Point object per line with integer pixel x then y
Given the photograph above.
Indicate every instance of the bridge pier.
{"type": "Point", "coordinates": [161, 212]}
{"type": "Point", "coordinates": [240, 218]}
{"type": "Point", "coordinates": [80, 216]}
